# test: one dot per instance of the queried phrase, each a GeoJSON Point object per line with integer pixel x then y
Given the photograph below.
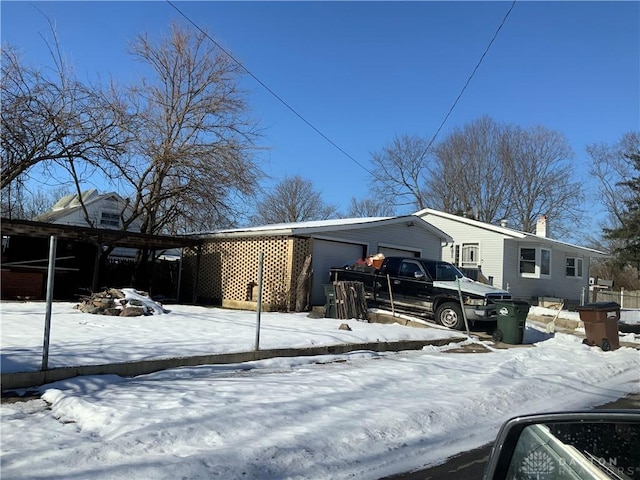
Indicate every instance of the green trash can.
{"type": "Point", "coordinates": [512, 317]}
{"type": "Point", "coordinates": [330, 301]}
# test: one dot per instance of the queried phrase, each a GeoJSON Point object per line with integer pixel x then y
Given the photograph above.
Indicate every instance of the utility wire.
{"type": "Point", "coordinates": [313, 127]}
{"type": "Point", "coordinates": [280, 99]}
{"type": "Point", "coordinates": [495, 35]}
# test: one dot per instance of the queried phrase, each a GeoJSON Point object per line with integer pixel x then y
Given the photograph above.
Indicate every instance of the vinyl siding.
{"type": "Point", "coordinates": [557, 285]}
{"type": "Point", "coordinates": [394, 235]}
{"type": "Point", "coordinates": [499, 258]}
{"type": "Point", "coordinates": [491, 246]}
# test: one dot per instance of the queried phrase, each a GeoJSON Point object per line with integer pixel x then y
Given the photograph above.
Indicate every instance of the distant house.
{"type": "Point", "coordinates": [83, 236]}
{"type": "Point", "coordinates": [529, 265]}
{"type": "Point", "coordinates": [225, 270]}
{"type": "Point", "coordinates": [102, 211]}
{"type": "Point", "coordinates": [25, 255]}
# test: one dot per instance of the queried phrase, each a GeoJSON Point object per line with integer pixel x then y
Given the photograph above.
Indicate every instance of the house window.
{"type": "Point", "coordinates": [108, 219]}
{"type": "Point", "coordinates": [527, 261]}
{"type": "Point", "coordinates": [470, 255]}
{"type": "Point", "coordinates": [535, 262]}
{"type": "Point", "coordinates": [574, 267]}
{"type": "Point", "coordinates": [545, 262]}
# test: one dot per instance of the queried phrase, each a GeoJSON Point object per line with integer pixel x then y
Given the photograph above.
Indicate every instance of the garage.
{"type": "Point", "coordinates": [398, 252]}
{"type": "Point", "coordinates": [327, 254]}
{"type": "Point", "coordinates": [224, 269]}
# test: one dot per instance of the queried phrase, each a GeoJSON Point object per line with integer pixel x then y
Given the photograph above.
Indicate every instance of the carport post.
{"type": "Point", "coordinates": [259, 302]}
{"type": "Point", "coordinates": [51, 271]}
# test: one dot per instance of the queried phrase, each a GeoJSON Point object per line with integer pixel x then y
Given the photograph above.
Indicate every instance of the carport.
{"type": "Point", "coordinates": [38, 260]}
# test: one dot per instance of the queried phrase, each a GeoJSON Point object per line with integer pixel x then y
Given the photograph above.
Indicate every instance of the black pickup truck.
{"type": "Point", "coordinates": [426, 287]}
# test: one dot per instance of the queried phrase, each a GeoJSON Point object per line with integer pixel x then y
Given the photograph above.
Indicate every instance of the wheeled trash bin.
{"type": "Point", "coordinates": [601, 324]}
{"type": "Point", "coordinates": [330, 301]}
{"type": "Point", "coordinates": [512, 317]}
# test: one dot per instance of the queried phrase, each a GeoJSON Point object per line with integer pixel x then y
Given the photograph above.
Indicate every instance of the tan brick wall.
{"type": "Point", "coordinates": [228, 271]}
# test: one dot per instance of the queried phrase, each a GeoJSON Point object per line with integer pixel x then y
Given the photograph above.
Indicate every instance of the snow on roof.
{"type": "Point", "coordinates": [317, 226]}
{"type": "Point", "coordinates": [72, 202]}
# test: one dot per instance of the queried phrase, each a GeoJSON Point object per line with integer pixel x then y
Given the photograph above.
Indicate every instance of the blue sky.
{"type": "Point", "coordinates": [362, 72]}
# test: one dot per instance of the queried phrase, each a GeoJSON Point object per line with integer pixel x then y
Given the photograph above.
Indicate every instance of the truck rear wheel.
{"type": "Point", "coordinates": [450, 315]}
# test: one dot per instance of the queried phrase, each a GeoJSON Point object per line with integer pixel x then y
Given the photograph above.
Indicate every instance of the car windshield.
{"type": "Point", "coordinates": [446, 272]}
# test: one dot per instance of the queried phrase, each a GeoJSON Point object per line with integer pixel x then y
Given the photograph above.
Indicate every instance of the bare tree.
{"type": "Point", "coordinates": [540, 175]}
{"type": "Point", "coordinates": [611, 168]}
{"type": "Point", "coordinates": [369, 207]}
{"type": "Point", "coordinates": [293, 200]}
{"type": "Point", "coordinates": [615, 168]}
{"type": "Point", "coordinates": [52, 118]}
{"type": "Point", "coordinates": [400, 171]}
{"type": "Point", "coordinates": [491, 172]}
{"type": "Point", "coordinates": [19, 202]}
{"type": "Point", "coordinates": [469, 175]}
{"type": "Point", "coordinates": [193, 142]}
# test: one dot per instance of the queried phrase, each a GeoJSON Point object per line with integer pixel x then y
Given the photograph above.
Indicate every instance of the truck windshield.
{"type": "Point", "coordinates": [446, 272]}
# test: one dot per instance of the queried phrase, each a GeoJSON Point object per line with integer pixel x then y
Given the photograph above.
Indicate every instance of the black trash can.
{"type": "Point", "coordinates": [601, 324]}
{"type": "Point", "coordinates": [330, 301]}
{"type": "Point", "coordinates": [512, 317]}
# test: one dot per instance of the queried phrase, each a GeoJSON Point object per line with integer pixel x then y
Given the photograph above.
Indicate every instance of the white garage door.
{"type": "Point", "coordinates": [398, 252]}
{"type": "Point", "coordinates": [327, 254]}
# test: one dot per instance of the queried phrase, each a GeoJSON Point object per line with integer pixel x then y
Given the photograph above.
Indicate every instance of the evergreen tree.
{"type": "Point", "coordinates": [628, 233]}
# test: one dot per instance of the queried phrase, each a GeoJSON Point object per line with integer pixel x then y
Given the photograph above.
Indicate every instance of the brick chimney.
{"type": "Point", "coordinates": [541, 227]}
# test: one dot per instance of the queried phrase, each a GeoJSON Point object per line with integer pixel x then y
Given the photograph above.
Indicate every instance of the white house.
{"type": "Point", "coordinates": [529, 265]}
{"type": "Point", "coordinates": [102, 211]}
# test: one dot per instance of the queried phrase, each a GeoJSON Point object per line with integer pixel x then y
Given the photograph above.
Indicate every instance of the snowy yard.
{"type": "Point", "coordinates": [361, 415]}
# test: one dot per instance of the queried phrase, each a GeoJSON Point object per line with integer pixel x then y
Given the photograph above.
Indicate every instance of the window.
{"type": "Point", "coordinates": [108, 219]}
{"type": "Point", "coordinates": [445, 272]}
{"type": "Point", "coordinates": [409, 269]}
{"type": "Point", "coordinates": [535, 262]}
{"type": "Point", "coordinates": [528, 261]}
{"type": "Point", "coordinates": [545, 261]}
{"type": "Point", "coordinates": [470, 255]}
{"type": "Point", "coordinates": [574, 267]}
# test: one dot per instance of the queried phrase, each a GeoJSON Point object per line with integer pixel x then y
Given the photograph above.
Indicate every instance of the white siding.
{"type": "Point", "coordinates": [72, 214]}
{"type": "Point", "coordinates": [500, 259]}
{"type": "Point", "coordinates": [491, 246]}
{"type": "Point", "coordinates": [556, 285]}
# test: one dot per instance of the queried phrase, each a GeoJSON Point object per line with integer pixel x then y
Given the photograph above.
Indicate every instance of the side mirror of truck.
{"type": "Point", "coordinates": [418, 275]}
{"type": "Point", "coordinates": [586, 445]}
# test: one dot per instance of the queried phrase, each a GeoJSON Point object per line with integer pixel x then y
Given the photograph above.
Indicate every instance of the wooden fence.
{"type": "Point", "coordinates": [626, 299]}
{"type": "Point", "coordinates": [351, 301]}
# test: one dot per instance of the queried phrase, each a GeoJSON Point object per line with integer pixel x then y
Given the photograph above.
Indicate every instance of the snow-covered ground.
{"type": "Point", "coordinates": [362, 415]}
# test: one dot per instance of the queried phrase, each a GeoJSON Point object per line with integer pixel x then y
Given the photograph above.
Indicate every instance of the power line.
{"type": "Point", "coordinates": [495, 35]}
{"type": "Point", "coordinates": [280, 99]}
{"type": "Point", "coordinates": [313, 127]}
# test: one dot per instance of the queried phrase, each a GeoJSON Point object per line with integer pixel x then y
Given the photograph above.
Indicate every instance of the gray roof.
{"type": "Point", "coordinates": [508, 232]}
{"type": "Point", "coordinates": [310, 228]}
